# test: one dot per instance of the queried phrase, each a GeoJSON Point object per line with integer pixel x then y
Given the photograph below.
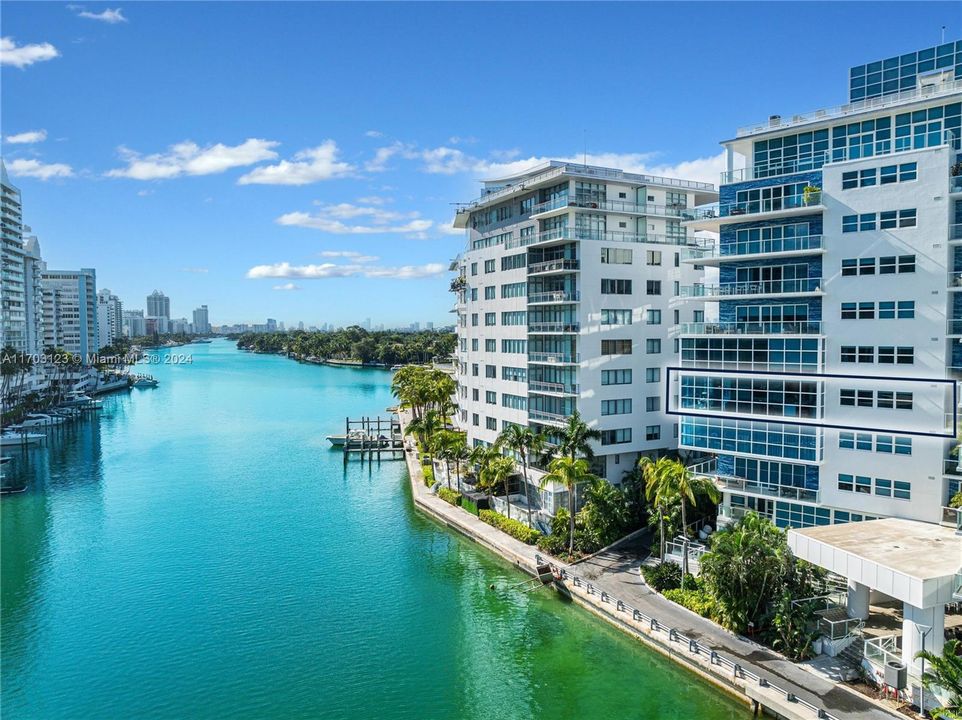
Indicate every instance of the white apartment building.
{"type": "Point", "coordinates": [70, 311]}
{"type": "Point", "coordinates": [565, 301]}
{"type": "Point", "coordinates": [826, 389]}
{"type": "Point", "coordinates": [134, 323]}
{"type": "Point", "coordinates": [33, 266]}
{"type": "Point", "coordinates": [110, 313]}
{"type": "Point", "coordinates": [201, 320]}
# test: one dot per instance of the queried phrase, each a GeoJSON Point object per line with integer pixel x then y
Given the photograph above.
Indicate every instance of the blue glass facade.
{"type": "Point", "coordinates": [899, 73]}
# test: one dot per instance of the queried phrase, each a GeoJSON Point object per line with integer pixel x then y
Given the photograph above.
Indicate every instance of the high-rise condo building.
{"type": "Point", "coordinates": [33, 266]}
{"type": "Point", "coordinates": [70, 311]}
{"type": "Point", "coordinates": [134, 325]}
{"type": "Point", "coordinates": [826, 389]}
{"type": "Point", "coordinates": [201, 320]}
{"type": "Point", "coordinates": [564, 303]}
{"type": "Point", "coordinates": [110, 317]}
{"type": "Point", "coordinates": [13, 330]}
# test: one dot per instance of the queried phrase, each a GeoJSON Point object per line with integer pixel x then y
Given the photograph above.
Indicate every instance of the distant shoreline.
{"type": "Point", "coordinates": [321, 361]}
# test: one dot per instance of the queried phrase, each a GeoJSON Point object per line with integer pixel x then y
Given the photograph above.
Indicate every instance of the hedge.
{"type": "Point", "coordinates": [449, 496]}
{"type": "Point", "coordinates": [469, 505]}
{"type": "Point", "coordinates": [428, 475]}
{"type": "Point", "coordinates": [512, 527]}
{"type": "Point", "coordinates": [697, 600]}
{"type": "Point", "coordinates": [662, 577]}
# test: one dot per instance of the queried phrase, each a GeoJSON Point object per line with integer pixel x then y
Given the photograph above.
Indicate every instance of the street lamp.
{"type": "Point", "coordinates": [923, 631]}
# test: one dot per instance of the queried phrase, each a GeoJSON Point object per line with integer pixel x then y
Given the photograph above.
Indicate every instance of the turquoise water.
{"type": "Point", "coordinates": [197, 551]}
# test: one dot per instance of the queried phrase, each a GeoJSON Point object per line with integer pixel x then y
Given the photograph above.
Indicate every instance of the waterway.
{"type": "Point", "coordinates": [197, 551]}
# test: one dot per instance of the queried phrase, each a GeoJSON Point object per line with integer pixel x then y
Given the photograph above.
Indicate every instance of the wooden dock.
{"type": "Point", "coordinates": [373, 437]}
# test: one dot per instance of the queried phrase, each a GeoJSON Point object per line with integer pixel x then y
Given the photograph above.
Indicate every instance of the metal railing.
{"type": "Point", "coordinates": [586, 234]}
{"type": "Point", "coordinates": [563, 264]}
{"type": "Point", "coordinates": [952, 517]}
{"type": "Point", "coordinates": [757, 247]}
{"type": "Point", "coordinates": [752, 207]}
{"type": "Point", "coordinates": [555, 296]}
{"type": "Point", "coordinates": [761, 287]}
{"type": "Point", "coordinates": [554, 358]}
{"type": "Point", "coordinates": [950, 466]}
{"type": "Point", "coordinates": [539, 386]}
{"type": "Point", "coordinates": [554, 327]}
{"type": "Point", "coordinates": [786, 492]}
{"type": "Point", "coordinates": [918, 93]}
{"type": "Point", "coordinates": [720, 665]}
{"type": "Point", "coordinates": [547, 417]}
{"type": "Point", "coordinates": [752, 328]}
{"type": "Point", "coordinates": [881, 650]}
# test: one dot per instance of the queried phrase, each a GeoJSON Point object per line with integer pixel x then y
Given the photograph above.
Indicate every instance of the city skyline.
{"type": "Point", "coordinates": [235, 209]}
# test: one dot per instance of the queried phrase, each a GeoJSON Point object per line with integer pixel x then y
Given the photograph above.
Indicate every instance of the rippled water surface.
{"type": "Point", "coordinates": [197, 551]}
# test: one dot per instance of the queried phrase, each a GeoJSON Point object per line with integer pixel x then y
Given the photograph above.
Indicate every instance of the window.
{"type": "Point", "coordinates": [903, 489]}
{"type": "Point", "coordinates": [489, 292]}
{"type": "Point", "coordinates": [475, 394]}
{"type": "Point", "coordinates": [491, 397]}
{"type": "Point", "coordinates": [863, 484]}
{"type": "Point", "coordinates": [512, 262]}
{"type": "Point", "coordinates": [491, 423]}
{"type": "Point", "coordinates": [503, 213]}
{"type": "Point", "coordinates": [514, 346]}
{"type": "Point", "coordinates": [616, 317]}
{"type": "Point", "coordinates": [616, 407]}
{"type": "Point", "coordinates": [652, 432]}
{"type": "Point", "coordinates": [653, 346]}
{"type": "Point", "coordinates": [653, 317]}
{"type": "Point", "coordinates": [514, 402]}
{"type": "Point", "coordinates": [527, 205]}
{"type": "Point", "coordinates": [474, 369]}
{"type": "Point", "coordinates": [846, 483]}
{"type": "Point", "coordinates": [514, 317]}
{"type": "Point", "coordinates": [653, 287]}
{"type": "Point", "coordinates": [489, 266]}
{"type": "Point", "coordinates": [474, 344]}
{"type": "Point", "coordinates": [903, 401]}
{"type": "Point", "coordinates": [475, 420]}
{"type": "Point", "coordinates": [474, 271]}
{"type": "Point", "coordinates": [511, 290]}
{"type": "Point", "coordinates": [615, 287]}
{"type": "Point", "coordinates": [653, 403]}
{"type": "Point", "coordinates": [490, 319]}
{"type": "Point", "coordinates": [616, 437]}
{"type": "Point", "coordinates": [652, 375]}
{"type": "Point", "coordinates": [491, 371]}
{"type": "Point", "coordinates": [849, 267]}
{"type": "Point", "coordinates": [616, 256]}
{"type": "Point", "coordinates": [616, 377]}
{"type": "Point", "coordinates": [514, 374]}
{"type": "Point", "coordinates": [616, 347]}
{"type": "Point", "coordinates": [653, 257]}
{"type": "Point", "coordinates": [491, 345]}
{"type": "Point", "coordinates": [850, 223]}
{"type": "Point", "coordinates": [474, 294]}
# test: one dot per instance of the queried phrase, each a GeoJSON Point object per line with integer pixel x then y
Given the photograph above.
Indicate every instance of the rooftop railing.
{"type": "Point", "coordinates": [922, 92]}
{"type": "Point", "coordinates": [752, 328]}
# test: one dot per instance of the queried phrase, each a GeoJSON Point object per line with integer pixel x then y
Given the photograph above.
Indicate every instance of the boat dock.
{"type": "Point", "coordinates": [374, 437]}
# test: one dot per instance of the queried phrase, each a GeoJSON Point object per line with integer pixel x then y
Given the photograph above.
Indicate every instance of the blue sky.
{"type": "Point", "coordinates": [299, 160]}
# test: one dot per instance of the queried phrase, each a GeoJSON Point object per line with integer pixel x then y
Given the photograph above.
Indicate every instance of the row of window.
{"type": "Point", "coordinates": [885, 220]}
{"type": "Point", "coordinates": [871, 398]}
{"type": "Point", "coordinates": [886, 310]}
{"type": "Point", "coordinates": [900, 489]}
{"type": "Point", "coordinates": [887, 265]}
{"type": "Point", "coordinates": [888, 355]}
{"type": "Point", "coordinates": [889, 444]}
{"type": "Point", "coordinates": [885, 175]}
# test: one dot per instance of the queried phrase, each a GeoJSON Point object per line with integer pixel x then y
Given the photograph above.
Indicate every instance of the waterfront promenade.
{"type": "Point", "coordinates": [606, 584]}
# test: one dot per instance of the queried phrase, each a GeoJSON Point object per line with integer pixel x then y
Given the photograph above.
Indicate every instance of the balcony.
{"type": "Point", "coordinates": [561, 265]}
{"type": "Point", "coordinates": [728, 483]}
{"type": "Point", "coordinates": [955, 281]}
{"type": "Point", "coordinates": [554, 358]}
{"type": "Point", "coordinates": [952, 517]}
{"type": "Point", "coordinates": [555, 296]}
{"type": "Point", "coordinates": [781, 247]}
{"type": "Point", "coordinates": [552, 388]}
{"type": "Point", "coordinates": [624, 207]}
{"type": "Point", "coordinates": [953, 327]}
{"type": "Point", "coordinates": [560, 235]}
{"type": "Point", "coordinates": [711, 217]}
{"type": "Point", "coordinates": [548, 418]}
{"type": "Point", "coordinates": [951, 466]}
{"type": "Point", "coordinates": [955, 232]}
{"type": "Point", "coordinates": [752, 328]}
{"type": "Point", "coordinates": [955, 184]}
{"type": "Point", "coordinates": [761, 288]}
{"type": "Point", "coordinates": [553, 328]}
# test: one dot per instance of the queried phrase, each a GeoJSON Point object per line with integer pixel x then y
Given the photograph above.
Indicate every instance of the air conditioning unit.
{"type": "Point", "coordinates": [896, 674]}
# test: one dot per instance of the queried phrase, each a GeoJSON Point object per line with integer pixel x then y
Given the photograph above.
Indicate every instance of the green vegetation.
{"type": "Point", "coordinates": [944, 673]}
{"type": "Point", "coordinates": [663, 576]}
{"type": "Point", "coordinates": [428, 474]}
{"type": "Point", "coordinates": [956, 500]}
{"type": "Point", "coordinates": [569, 472]}
{"type": "Point", "coordinates": [794, 627]}
{"type": "Point", "coordinates": [449, 496]}
{"type": "Point", "coordinates": [514, 528]}
{"type": "Point", "coordinates": [469, 505]}
{"type": "Point", "coordinates": [694, 597]}
{"type": "Point", "coordinates": [524, 442]}
{"type": "Point", "coordinates": [388, 347]}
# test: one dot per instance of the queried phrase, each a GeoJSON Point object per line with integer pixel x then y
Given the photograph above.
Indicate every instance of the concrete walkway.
{"type": "Point", "coordinates": [615, 577]}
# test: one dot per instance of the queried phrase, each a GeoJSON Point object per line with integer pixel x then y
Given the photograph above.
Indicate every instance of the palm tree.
{"type": "Point", "coordinates": [576, 437]}
{"type": "Point", "coordinates": [443, 447]}
{"type": "Point", "coordinates": [499, 471]}
{"type": "Point", "coordinates": [656, 492]}
{"type": "Point", "coordinates": [570, 472]}
{"type": "Point", "coordinates": [524, 441]}
{"type": "Point", "coordinates": [459, 453]}
{"type": "Point", "coordinates": [481, 456]}
{"type": "Point", "coordinates": [945, 672]}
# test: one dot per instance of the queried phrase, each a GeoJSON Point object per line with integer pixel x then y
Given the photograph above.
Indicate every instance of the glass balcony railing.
{"type": "Point", "coordinates": [955, 280]}
{"type": "Point", "coordinates": [752, 328]}
{"type": "Point", "coordinates": [563, 234]}
{"type": "Point", "coordinates": [753, 207]}
{"type": "Point", "coordinates": [560, 265]}
{"type": "Point", "coordinates": [955, 231]}
{"type": "Point", "coordinates": [554, 327]}
{"type": "Point", "coordinates": [953, 327]}
{"type": "Point", "coordinates": [761, 287]}
{"type": "Point", "coordinates": [554, 358]}
{"type": "Point", "coordinates": [952, 517]}
{"type": "Point", "coordinates": [955, 183]}
{"type": "Point", "coordinates": [554, 296]}
{"type": "Point", "coordinates": [550, 418]}
{"type": "Point", "coordinates": [756, 247]}
{"type": "Point", "coordinates": [549, 205]}
{"type": "Point", "coordinates": [538, 386]}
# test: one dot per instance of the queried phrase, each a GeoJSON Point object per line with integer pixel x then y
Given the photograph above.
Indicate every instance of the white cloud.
{"type": "Point", "coordinates": [198, 270]}
{"type": "Point", "coordinates": [448, 228]}
{"type": "Point", "coordinates": [30, 136]}
{"type": "Point", "coordinates": [108, 16]}
{"type": "Point", "coordinates": [23, 55]}
{"type": "Point", "coordinates": [331, 218]}
{"type": "Point", "coordinates": [379, 163]}
{"type": "Point", "coordinates": [350, 254]}
{"type": "Point", "coordinates": [287, 287]}
{"type": "Point", "coordinates": [308, 166]}
{"type": "Point", "coordinates": [145, 193]}
{"type": "Point", "coordinates": [39, 170]}
{"type": "Point", "coordinates": [326, 271]}
{"type": "Point", "coordinates": [188, 158]}
{"type": "Point", "coordinates": [374, 134]}
{"type": "Point", "coordinates": [375, 200]}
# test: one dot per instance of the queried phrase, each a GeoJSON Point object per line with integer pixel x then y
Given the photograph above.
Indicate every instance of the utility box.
{"type": "Point", "coordinates": [896, 674]}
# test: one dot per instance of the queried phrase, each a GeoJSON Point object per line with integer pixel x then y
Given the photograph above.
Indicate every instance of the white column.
{"type": "Point", "coordinates": [858, 600]}
{"type": "Point", "coordinates": [913, 617]}
{"type": "Point", "coordinates": [729, 159]}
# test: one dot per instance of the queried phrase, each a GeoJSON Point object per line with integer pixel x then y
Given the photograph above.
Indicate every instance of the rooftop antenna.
{"type": "Point", "coordinates": [943, 34]}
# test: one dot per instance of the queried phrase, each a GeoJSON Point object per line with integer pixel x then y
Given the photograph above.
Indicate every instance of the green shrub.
{"type": "Point", "coordinates": [512, 527]}
{"type": "Point", "coordinates": [956, 501]}
{"type": "Point", "coordinates": [663, 576]}
{"type": "Point", "coordinates": [449, 496]}
{"type": "Point", "coordinates": [428, 475]}
{"type": "Point", "coordinates": [552, 544]}
{"type": "Point", "coordinates": [697, 600]}
{"type": "Point", "coordinates": [469, 505]}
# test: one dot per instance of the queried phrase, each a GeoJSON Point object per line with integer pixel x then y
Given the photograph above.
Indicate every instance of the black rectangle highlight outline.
{"type": "Point", "coordinates": [777, 421]}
